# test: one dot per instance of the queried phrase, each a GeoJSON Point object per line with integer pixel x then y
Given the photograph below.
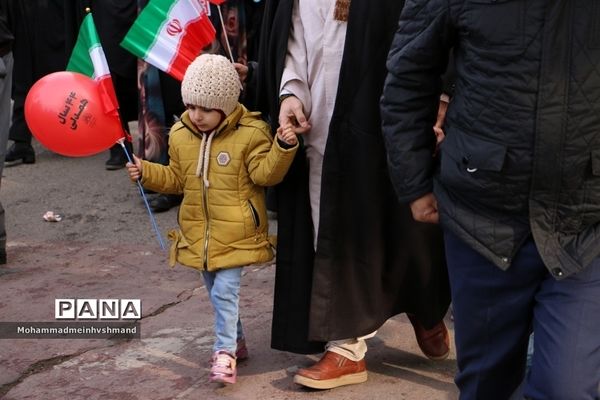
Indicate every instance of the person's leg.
{"type": "Point", "coordinates": [116, 159]}
{"type": "Point", "coordinates": [22, 81]}
{"type": "Point", "coordinates": [353, 349]}
{"type": "Point", "coordinates": [566, 356]}
{"type": "Point", "coordinates": [5, 108]}
{"type": "Point", "coordinates": [434, 342]}
{"type": "Point", "coordinates": [5, 91]}
{"type": "Point", "coordinates": [224, 287]}
{"type": "Point", "coordinates": [315, 168]}
{"type": "Point", "coordinates": [342, 364]}
{"type": "Point", "coordinates": [492, 318]}
{"type": "Point", "coordinates": [21, 151]}
{"type": "Point", "coordinates": [343, 361]}
{"type": "Point", "coordinates": [23, 78]}
{"type": "Point", "coordinates": [209, 280]}
{"type": "Point", "coordinates": [125, 84]}
{"type": "Point", "coordinates": [225, 299]}
{"type": "Point", "coordinates": [3, 259]}
{"type": "Point", "coordinates": [241, 352]}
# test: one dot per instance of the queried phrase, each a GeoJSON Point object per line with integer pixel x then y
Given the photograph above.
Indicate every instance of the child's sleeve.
{"type": "Point", "coordinates": [164, 178]}
{"type": "Point", "coordinates": [267, 161]}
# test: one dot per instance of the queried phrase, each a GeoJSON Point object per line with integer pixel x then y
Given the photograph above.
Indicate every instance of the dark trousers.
{"type": "Point", "coordinates": [39, 49]}
{"type": "Point", "coordinates": [494, 312]}
{"type": "Point", "coordinates": [5, 90]}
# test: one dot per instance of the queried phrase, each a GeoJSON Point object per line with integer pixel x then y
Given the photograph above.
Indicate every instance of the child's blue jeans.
{"type": "Point", "coordinates": [224, 292]}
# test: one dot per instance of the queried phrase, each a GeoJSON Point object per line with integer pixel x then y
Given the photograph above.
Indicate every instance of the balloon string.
{"type": "Point", "coordinates": [139, 184]}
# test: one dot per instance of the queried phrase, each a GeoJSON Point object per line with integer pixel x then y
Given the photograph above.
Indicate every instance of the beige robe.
{"type": "Point", "coordinates": [311, 73]}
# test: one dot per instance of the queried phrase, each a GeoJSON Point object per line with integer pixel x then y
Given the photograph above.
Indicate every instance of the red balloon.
{"type": "Point", "coordinates": [64, 111]}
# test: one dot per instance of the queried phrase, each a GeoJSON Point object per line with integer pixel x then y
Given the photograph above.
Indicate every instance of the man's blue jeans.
{"type": "Point", "coordinates": [224, 292]}
{"type": "Point", "coordinates": [495, 311]}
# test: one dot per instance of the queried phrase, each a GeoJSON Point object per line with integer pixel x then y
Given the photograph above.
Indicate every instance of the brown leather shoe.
{"type": "Point", "coordinates": [331, 371]}
{"type": "Point", "coordinates": [435, 342]}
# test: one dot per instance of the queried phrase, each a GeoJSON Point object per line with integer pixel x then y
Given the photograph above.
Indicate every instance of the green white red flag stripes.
{"type": "Point", "coordinates": [88, 58]}
{"type": "Point", "coordinates": [170, 34]}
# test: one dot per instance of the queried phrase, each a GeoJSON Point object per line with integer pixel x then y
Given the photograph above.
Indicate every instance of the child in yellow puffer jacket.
{"type": "Point", "coordinates": [221, 157]}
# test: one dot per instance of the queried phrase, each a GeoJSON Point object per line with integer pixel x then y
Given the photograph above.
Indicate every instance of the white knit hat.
{"type": "Point", "coordinates": [211, 81]}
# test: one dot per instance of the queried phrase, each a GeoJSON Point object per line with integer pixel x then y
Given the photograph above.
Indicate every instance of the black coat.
{"type": "Point", "coordinates": [372, 261]}
{"type": "Point", "coordinates": [39, 49]}
{"type": "Point", "coordinates": [6, 35]}
{"type": "Point", "coordinates": [522, 148]}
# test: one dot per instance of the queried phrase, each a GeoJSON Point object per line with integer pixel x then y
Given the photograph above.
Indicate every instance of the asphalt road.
{"type": "Point", "coordinates": [97, 206]}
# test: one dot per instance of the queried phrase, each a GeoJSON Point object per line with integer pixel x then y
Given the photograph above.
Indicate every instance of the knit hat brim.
{"type": "Point", "coordinates": [211, 81]}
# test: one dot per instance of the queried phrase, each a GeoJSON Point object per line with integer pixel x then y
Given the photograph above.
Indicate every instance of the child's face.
{"type": "Point", "coordinates": [205, 119]}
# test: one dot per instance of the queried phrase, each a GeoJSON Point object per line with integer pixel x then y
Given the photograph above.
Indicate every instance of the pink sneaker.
{"type": "Point", "coordinates": [223, 368]}
{"type": "Point", "coordinates": [241, 353]}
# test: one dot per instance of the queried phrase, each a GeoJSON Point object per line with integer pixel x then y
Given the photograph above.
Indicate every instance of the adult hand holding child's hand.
{"type": "Point", "coordinates": [291, 113]}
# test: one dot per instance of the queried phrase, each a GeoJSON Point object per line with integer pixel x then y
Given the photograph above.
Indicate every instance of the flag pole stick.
{"type": "Point", "coordinates": [139, 184]}
{"type": "Point", "coordinates": [227, 39]}
{"type": "Point", "coordinates": [225, 33]}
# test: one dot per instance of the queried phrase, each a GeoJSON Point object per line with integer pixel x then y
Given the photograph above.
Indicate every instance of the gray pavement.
{"type": "Point", "coordinates": [105, 248]}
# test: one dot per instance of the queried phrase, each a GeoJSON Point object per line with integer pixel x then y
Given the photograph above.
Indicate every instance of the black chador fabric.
{"type": "Point", "coordinates": [373, 260]}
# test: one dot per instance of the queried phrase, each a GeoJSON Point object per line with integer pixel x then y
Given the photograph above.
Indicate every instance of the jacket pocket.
{"type": "Point", "coordinates": [255, 215]}
{"type": "Point", "coordinates": [589, 211]}
{"type": "Point", "coordinates": [496, 23]}
{"type": "Point", "coordinates": [471, 163]}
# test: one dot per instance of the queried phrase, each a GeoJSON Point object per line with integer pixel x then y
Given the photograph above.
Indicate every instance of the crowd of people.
{"type": "Point", "coordinates": [399, 187]}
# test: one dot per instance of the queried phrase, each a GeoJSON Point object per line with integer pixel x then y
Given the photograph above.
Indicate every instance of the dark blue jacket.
{"type": "Point", "coordinates": [522, 151]}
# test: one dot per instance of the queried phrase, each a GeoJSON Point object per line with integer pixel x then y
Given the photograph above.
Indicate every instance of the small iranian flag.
{"type": "Point", "coordinates": [170, 34]}
{"type": "Point", "coordinates": [88, 58]}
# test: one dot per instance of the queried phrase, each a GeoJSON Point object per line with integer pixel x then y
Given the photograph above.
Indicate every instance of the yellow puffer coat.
{"type": "Point", "coordinates": [223, 217]}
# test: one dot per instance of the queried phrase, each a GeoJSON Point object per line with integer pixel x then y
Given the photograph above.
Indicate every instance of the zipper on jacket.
{"type": "Point", "coordinates": [254, 215]}
{"type": "Point", "coordinates": [206, 230]}
{"type": "Point", "coordinates": [206, 218]}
